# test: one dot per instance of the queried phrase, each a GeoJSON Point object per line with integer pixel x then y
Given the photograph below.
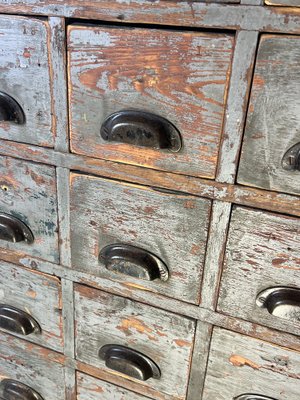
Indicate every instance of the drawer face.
{"type": "Point", "coordinates": [28, 193]}
{"type": "Point", "coordinates": [167, 339]}
{"type": "Point", "coordinates": [172, 227]}
{"type": "Point", "coordinates": [181, 76]}
{"type": "Point", "coordinates": [239, 364]}
{"type": "Point", "coordinates": [89, 388]}
{"type": "Point", "coordinates": [38, 295]}
{"type": "Point", "coordinates": [25, 76]}
{"type": "Point", "coordinates": [33, 366]}
{"type": "Point", "coordinates": [273, 122]}
{"type": "Point", "coordinates": [262, 252]}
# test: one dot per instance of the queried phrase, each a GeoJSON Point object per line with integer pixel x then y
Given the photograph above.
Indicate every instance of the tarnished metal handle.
{"type": "Point", "coordinates": [291, 159]}
{"type": "Point", "coordinates": [17, 321]}
{"type": "Point", "coordinates": [253, 397]}
{"type": "Point", "coordinates": [133, 261]}
{"type": "Point", "coordinates": [129, 362]}
{"type": "Point", "coordinates": [141, 128]}
{"type": "Point", "coordinates": [10, 110]}
{"type": "Point", "coordinates": [14, 390]}
{"type": "Point", "coordinates": [282, 302]}
{"type": "Point", "coordinates": [14, 230]}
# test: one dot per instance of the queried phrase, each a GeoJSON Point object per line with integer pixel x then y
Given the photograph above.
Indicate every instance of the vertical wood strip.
{"type": "Point", "coordinates": [215, 253]}
{"type": "Point", "coordinates": [68, 317]}
{"type": "Point", "coordinates": [59, 82]}
{"type": "Point", "coordinates": [242, 71]}
{"type": "Point", "coordinates": [70, 382]}
{"type": "Point", "coordinates": [63, 198]}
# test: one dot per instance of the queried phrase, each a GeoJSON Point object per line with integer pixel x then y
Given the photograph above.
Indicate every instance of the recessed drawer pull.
{"type": "Point", "coordinates": [10, 110]}
{"type": "Point", "coordinates": [14, 390]}
{"type": "Point", "coordinates": [291, 159]}
{"type": "Point", "coordinates": [282, 302]}
{"type": "Point", "coordinates": [17, 321]}
{"type": "Point", "coordinates": [129, 362]}
{"type": "Point", "coordinates": [133, 261]}
{"type": "Point", "coordinates": [14, 230]}
{"type": "Point", "coordinates": [253, 397]}
{"type": "Point", "coordinates": [141, 128]}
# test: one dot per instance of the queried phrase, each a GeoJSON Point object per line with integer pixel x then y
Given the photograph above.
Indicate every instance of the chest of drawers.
{"type": "Point", "coordinates": [149, 200]}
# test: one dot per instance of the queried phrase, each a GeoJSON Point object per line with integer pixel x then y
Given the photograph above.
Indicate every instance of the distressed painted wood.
{"type": "Point", "coordinates": [273, 122]}
{"type": "Point", "coordinates": [289, 3]}
{"type": "Point", "coordinates": [262, 252]}
{"type": "Point", "coordinates": [38, 295]}
{"type": "Point", "coordinates": [25, 76]}
{"type": "Point", "coordinates": [240, 364]}
{"type": "Point", "coordinates": [35, 366]}
{"type": "Point", "coordinates": [28, 192]}
{"type": "Point", "coordinates": [89, 388]}
{"type": "Point", "coordinates": [181, 76]}
{"type": "Point", "coordinates": [173, 227]}
{"type": "Point", "coordinates": [166, 338]}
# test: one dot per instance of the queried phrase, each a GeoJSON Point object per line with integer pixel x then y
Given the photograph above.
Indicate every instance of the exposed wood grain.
{"type": "Point", "coordinates": [63, 205]}
{"type": "Point", "coordinates": [262, 252]}
{"type": "Point", "coordinates": [28, 192]}
{"type": "Point", "coordinates": [240, 364]}
{"type": "Point", "coordinates": [180, 76]}
{"type": "Point", "coordinates": [68, 317]}
{"type": "Point", "coordinates": [289, 3]}
{"type": "Point", "coordinates": [166, 338]}
{"type": "Point", "coordinates": [70, 383]}
{"type": "Point", "coordinates": [25, 77]}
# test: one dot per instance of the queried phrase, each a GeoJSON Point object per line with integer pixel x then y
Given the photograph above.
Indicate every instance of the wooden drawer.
{"type": "Point", "coordinates": [239, 364]}
{"type": "Point", "coordinates": [165, 338]}
{"type": "Point", "coordinates": [89, 388]}
{"type": "Point", "coordinates": [180, 76]}
{"type": "Point", "coordinates": [37, 295]}
{"type": "Point", "coordinates": [172, 227]}
{"type": "Point", "coordinates": [28, 193]}
{"type": "Point", "coordinates": [25, 76]}
{"type": "Point", "coordinates": [34, 366]}
{"type": "Point", "coordinates": [273, 122]}
{"type": "Point", "coordinates": [262, 253]}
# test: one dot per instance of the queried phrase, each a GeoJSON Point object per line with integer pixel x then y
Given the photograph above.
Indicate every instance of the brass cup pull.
{"type": "Point", "coordinates": [282, 302]}
{"type": "Point", "coordinates": [10, 110]}
{"type": "Point", "coordinates": [133, 261]}
{"type": "Point", "coordinates": [291, 159]}
{"type": "Point", "coordinates": [141, 128]}
{"type": "Point", "coordinates": [17, 321]}
{"type": "Point", "coordinates": [129, 362]}
{"type": "Point", "coordinates": [253, 397]}
{"type": "Point", "coordinates": [14, 390]}
{"type": "Point", "coordinates": [14, 230]}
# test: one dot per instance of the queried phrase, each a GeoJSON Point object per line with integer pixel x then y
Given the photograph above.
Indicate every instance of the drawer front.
{"type": "Point", "coordinates": [25, 77]}
{"type": "Point", "coordinates": [165, 338]}
{"type": "Point", "coordinates": [173, 228]}
{"type": "Point", "coordinates": [262, 253]}
{"type": "Point", "coordinates": [273, 122]}
{"type": "Point", "coordinates": [28, 196]}
{"type": "Point", "coordinates": [31, 365]}
{"type": "Point", "coordinates": [239, 364]}
{"type": "Point", "coordinates": [180, 76]}
{"type": "Point", "coordinates": [37, 295]}
{"type": "Point", "coordinates": [89, 388]}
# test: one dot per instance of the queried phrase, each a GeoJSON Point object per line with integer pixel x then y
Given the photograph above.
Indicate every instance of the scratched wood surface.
{"type": "Point", "coordinates": [173, 227]}
{"type": "Point", "coordinates": [181, 76]}
{"type": "Point", "coordinates": [289, 3]}
{"type": "Point", "coordinates": [28, 192]}
{"type": "Point", "coordinates": [35, 366]}
{"type": "Point", "coordinates": [240, 364]}
{"type": "Point", "coordinates": [262, 252]}
{"type": "Point", "coordinates": [166, 338]}
{"type": "Point", "coordinates": [40, 296]}
{"type": "Point", "coordinates": [273, 122]}
{"type": "Point", "coordinates": [89, 388]}
{"type": "Point", "coordinates": [25, 76]}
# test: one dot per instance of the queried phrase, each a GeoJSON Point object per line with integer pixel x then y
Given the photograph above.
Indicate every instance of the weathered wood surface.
{"type": "Point", "coordinates": [273, 122]}
{"type": "Point", "coordinates": [285, 3]}
{"type": "Point", "coordinates": [35, 366]}
{"type": "Point", "coordinates": [173, 227]}
{"type": "Point", "coordinates": [25, 76]}
{"type": "Point", "coordinates": [89, 388]}
{"type": "Point", "coordinates": [181, 76]}
{"type": "Point", "coordinates": [40, 296]}
{"type": "Point", "coordinates": [166, 338]}
{"type": "Point", "coordinates": [28, 192]}
{"type": "Point", "coordinates": [240, 364]}
{"type": "Point", "coordinates": [262, 252]}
